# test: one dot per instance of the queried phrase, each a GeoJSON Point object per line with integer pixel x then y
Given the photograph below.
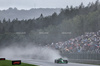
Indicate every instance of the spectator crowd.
{"type": "Point", "coordinates": [89, 42]}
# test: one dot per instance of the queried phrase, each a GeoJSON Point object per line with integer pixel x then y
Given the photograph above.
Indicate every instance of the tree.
{"type": "Point", "coordinates": [9, 20]}
{"type": "Point", "coordinates": [41, 16]}
{"type": "Point", "coordinates": [96, 5]}
{"type": "Point", "coordinates": [3, 30]}
{"type": "Point", "coordinates": [4, 20]}
{"type": "Point", "coordinates": [81, 6]}
{"type": "Point", "coordinates": [11, 29]}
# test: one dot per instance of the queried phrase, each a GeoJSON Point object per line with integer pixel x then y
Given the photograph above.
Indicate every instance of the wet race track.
{"type": "Point", "coordinates": [48, 63]}
{"type": "Point", "coordinates": [35, 55]}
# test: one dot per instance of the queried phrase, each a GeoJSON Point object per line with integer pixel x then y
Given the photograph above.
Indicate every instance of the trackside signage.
{"type": "Point", "coordinates": [2, 59]}
{"type": "Point", "coordinates": [16, 62]}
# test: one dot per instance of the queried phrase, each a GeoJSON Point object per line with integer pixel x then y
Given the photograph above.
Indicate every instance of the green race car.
{"type": "Point", "coordinates": [60, 60]}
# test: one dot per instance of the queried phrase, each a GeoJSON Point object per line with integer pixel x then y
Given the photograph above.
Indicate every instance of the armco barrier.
{"type": "Point", "coordinates": [91, 58]}
{"type": "Point", "coordinates": [86, 61]}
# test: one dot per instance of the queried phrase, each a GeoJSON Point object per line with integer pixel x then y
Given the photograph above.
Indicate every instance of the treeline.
{"type": "Point", "coordinates": [71, 22]}
{"type": "Point", "coordinates": [12, 13]}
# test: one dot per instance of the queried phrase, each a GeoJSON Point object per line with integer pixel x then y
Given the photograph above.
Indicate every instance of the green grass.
{"type": "Point", "coordinates": [9, 63]}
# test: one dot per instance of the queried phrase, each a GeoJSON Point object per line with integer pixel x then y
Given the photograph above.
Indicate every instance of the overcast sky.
{"type": "Point", "coordinates": [28, 4]}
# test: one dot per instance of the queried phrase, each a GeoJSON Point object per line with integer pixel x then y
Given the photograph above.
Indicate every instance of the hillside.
{"type": "Point", "coordinates": [13, 13]}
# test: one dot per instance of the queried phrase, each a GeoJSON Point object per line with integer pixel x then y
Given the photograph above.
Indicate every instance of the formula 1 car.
{"type": "Point", "coordinates": [60, 60]}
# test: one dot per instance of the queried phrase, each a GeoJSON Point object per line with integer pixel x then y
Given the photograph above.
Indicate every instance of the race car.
{"type": "Point", "coordinates": [60, 60]}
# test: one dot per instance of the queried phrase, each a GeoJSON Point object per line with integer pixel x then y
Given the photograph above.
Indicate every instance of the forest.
{"type": "Point", "coordinates": [69, 23]}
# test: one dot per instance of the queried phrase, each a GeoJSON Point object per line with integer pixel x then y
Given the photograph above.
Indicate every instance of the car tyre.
{"type": "Point", "coordinates": [66, 61]}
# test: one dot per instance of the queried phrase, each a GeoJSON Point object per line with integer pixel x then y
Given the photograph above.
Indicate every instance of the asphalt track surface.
{"type": "Point", "coordinates": [48, 63]}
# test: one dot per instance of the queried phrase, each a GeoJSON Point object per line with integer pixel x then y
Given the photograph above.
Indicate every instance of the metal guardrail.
{"type": "Point", "coordinates": [92, 56]}
{"type": "Point", "coordinates": [88, 58]}
{"type": "Point", "coordinates": [85, 61]}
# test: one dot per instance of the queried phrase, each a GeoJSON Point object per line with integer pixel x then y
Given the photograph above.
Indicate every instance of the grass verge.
{"type": "Point", "coordinates": [9, 63]}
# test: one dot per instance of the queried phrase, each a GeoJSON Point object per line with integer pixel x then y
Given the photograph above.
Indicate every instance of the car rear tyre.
{"type": "Point", "coordinates": [65, 61]}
